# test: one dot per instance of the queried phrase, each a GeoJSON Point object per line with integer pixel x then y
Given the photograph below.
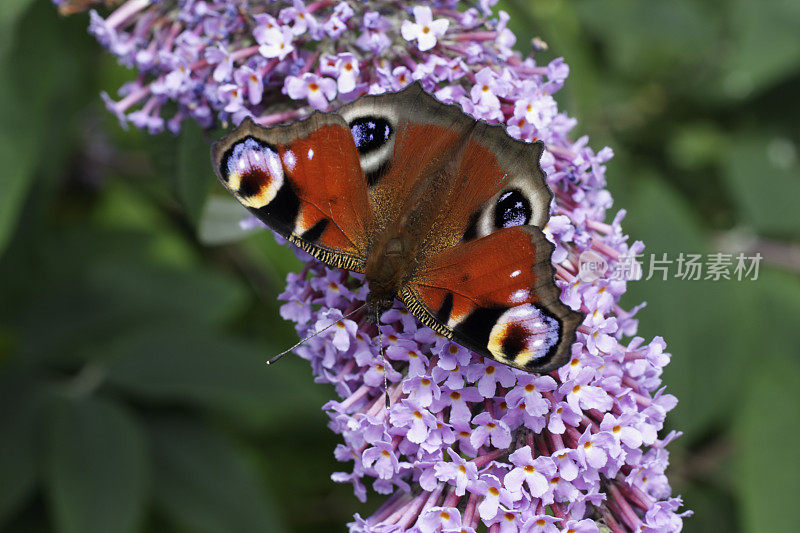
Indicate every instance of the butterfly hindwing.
{"type": "Point", "coordinates": [496, 295]}
{"type": "Point", "coordinates": [305, 182]}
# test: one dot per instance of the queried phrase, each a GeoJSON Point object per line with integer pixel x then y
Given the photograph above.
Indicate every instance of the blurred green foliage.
{"type": "Point", "coordinates": [699, 102]}
{"type": "Point", "coordinates": [133, 394]}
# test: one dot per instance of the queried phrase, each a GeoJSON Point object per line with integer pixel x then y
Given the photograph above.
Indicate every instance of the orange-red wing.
{"type": "Point", "coordinates": [496, 296]}
{"type": "Point", "coordinates": [305, 182]}
{"type": "Point", "coordinates": [406, 184]}
{"type": "Point", "coordinates": [447, 186]}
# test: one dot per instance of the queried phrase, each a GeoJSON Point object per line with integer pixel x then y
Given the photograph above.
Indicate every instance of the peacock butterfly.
{"type": "Point", "coordinates": [432, 206]}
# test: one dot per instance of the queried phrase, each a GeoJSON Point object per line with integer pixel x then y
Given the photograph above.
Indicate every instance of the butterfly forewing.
{"type": "Point", "coordinates": [305, 182]}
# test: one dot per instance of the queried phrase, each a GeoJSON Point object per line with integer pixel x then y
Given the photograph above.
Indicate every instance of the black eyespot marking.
{"type": "Point", "coordinates": [370, 133]}
{"type": "Point", "coordinates": [251, 182]}
{"type": "Point", "coordinates": [515, 340]}
{"type": "Point", "coordinates": [512, 209]}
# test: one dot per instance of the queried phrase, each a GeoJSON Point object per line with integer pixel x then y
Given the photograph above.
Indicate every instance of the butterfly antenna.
{"type": "Point", "coordinates": [383, 360]}
{"type": "Point", "coordinates": [348, 315]}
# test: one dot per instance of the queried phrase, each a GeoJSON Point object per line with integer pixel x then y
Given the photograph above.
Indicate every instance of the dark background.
{"type": "Point", "coordinates": [133, 391]}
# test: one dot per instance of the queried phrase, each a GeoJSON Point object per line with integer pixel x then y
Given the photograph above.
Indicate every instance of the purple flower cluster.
{"type": "Point", "coordinates": [220, 61]}
{"type": "Point", "coordinates": [466, 443]}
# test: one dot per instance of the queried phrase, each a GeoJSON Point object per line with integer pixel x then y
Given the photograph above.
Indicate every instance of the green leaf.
{"type": "Point", "coordinates": [14, 187]}
{"type": "Point", "coordinates": [219, 223]}
{"type": "Point", "coordinates": [19, 402]}
{"type": "Point", "coordinates": [767, 427]}
{"type": "Point", "coordinates": [779, 306]}
{"type": "Point", "coordinates": [764, 178]}
{"type": "Point", "coordinates": [697, 145]}
{"type": "Point", "coordinates": [649, 38]}
{"type": "Point", "coordinates": [203, 296]}
{"type": "Point", "coordinates": [113, 297]}
{"type": "Point", "coordinates": [195, 174]}
{"type": "Point", "coordinates": [764, 48]}
{"type": "Point", "coordinates": [18, 133]}
{"type": "Point", "coordinates": [199, 367]}
{"type": "Point", "coordinates": [202, 482]}
{"type": "Point", "coordinates": [10, 11]}
{"type": "Point", "coordinates": [768, 431]}
{"type": "Point", "coordinates": [713, 509]}
{"type": "Point", "coordinates": [34, 87]}
{"type": "Point", "coordinates": [96, 471]}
